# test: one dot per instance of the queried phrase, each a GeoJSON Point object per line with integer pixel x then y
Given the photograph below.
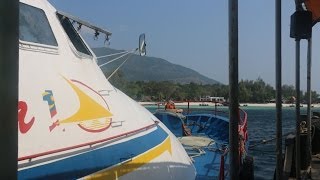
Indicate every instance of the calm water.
{"type": "Point", "coordinates": [262, 125]}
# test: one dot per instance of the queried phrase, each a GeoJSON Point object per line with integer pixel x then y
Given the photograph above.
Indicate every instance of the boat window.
{"type": "Point", "coordinates": [34, 26]}
{"type": "Point", "coordinates": [73, 35]}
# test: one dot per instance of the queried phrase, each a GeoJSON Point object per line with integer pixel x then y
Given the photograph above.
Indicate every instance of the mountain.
{"type": "Point", "coordinates": [146, 68]}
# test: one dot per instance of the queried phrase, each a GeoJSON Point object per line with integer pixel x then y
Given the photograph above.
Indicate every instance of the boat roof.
{"type": "Point", "coordinates": [85, 23]}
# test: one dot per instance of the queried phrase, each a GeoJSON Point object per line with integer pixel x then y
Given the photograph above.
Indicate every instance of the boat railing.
{"type": "Point", "coordinates": [89, 144]}
{"type": "Point", "coordinates": [243, 118]}
{"type": "Point", "coordinates": [206, 111]}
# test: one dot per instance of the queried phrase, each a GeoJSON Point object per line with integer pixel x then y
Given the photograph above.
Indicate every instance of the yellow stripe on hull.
{"type": "Point", "coordinates": [135, 163]}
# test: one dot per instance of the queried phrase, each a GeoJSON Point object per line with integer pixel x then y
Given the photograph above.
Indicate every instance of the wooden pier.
{"type": "Point", "coordinates": [315, 167]}
{"type": "Point", "coordinates": [313, 172]}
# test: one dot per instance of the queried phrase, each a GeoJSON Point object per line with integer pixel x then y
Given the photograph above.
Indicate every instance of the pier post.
{"type": "Point", "coordinates": [298, 160]}
{"type": "Point", "coordinates": [9, 61]}
{"type": "Point", "coordinates": [301, 28]}
{"type": "Point", "coordinates": [309, 144]}
{"type": "Point", "coordinates": [233, 90]}
{"type": "Point", "coordinates": [278, 89]}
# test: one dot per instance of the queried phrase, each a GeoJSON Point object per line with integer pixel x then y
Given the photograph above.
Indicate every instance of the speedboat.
{"type": "Point", "coordinates": [72, 122]}
{"type": "Point", "coordinates": [205, 136]}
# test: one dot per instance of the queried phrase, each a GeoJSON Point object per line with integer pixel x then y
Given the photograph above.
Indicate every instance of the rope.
{"type": "Point", "coordinates": [266, 141]}
{"type": "Point", "coordinates": [269, 152]}
{"type": "Point", "coordinates": [120, 66]}
{"type": "Point", "coordinates": [128, 52]}
{"type": "Point", "coordinates": [123, 52]}
{"type": "Point", "coordinates": [269, 140]}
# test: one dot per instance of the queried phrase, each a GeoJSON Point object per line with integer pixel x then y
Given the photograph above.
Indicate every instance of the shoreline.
{"type": "Point", "coordinates": [210, 104]}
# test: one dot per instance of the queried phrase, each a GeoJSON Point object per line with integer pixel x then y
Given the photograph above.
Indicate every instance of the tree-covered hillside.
{"type": "Point", "coordinates": [256, 91]}
{"type": "Point", "coordinates": [146, 68]}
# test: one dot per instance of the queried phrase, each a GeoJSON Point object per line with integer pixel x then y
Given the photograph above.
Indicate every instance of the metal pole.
{"type": "Point", "coordinates": [215, 108]}
{"type": "Point", "coordinates": [188, 107]}
{"type": "Point", "coordinates": [278, 91]}
{"type": "Point", "coordinates": [298, 109]}
{"type": "Point", "coordinates": [9, 52]}
{"type": "Point", "coordinates": [233, 90]}
{"type": "Point", "coordinates": [309, 144]}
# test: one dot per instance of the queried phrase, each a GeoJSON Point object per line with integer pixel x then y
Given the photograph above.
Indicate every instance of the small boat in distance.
{"type": "Point", "coordinates": [203, 104]}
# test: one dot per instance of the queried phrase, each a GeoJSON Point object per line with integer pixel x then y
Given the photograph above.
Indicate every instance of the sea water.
{"type": "Point", "coordinates": [262, 126]}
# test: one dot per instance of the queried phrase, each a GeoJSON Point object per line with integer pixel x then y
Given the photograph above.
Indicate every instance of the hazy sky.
{"type": "Point", "coordinates": [194, 33]}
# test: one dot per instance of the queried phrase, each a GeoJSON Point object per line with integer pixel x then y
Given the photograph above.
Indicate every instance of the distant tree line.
{"type": "Point", "coordinates": [253, 91]}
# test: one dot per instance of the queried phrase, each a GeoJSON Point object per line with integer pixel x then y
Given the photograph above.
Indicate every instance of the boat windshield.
{"type": "Point", "coordinates": [73, 35]}
{"type": "Point", "coordinates": [34, 26]}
